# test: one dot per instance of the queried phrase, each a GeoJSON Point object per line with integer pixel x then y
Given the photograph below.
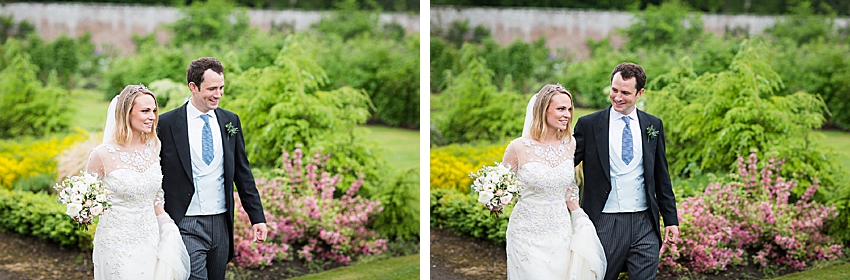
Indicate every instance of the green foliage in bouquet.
{"type": "Point", "coordinates": [464, 215]}
{"type": "Point", "coordinates": [478, 111]}
{"type": "Point", "coordinates": [713, 118]}
{"type": "Point", "coordinates": [40, 215]}
{"type": "Point", "coordinates": [28, 107]}
{"type": "Point", "coordinates": [283, 108]}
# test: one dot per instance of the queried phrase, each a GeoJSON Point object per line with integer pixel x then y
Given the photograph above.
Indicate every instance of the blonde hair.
{"type": "Point", "coordinates": [538, 120]}
{"type": "Point", "coordinates": [127, 98]}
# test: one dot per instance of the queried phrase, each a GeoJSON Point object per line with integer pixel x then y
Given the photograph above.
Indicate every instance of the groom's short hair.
{"type": "Point", "coordinates": [196, 69]}
{"type": "Point", "coordinates": [630, 70]}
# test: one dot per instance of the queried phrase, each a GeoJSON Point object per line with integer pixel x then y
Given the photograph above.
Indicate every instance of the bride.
{"type": "Point", "coordinates": [135, 239]}
{"type": "Point", "coordinates": [543, 240]}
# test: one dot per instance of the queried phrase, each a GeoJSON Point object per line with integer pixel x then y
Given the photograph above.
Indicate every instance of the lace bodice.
{"type": "Point", "coordinates": [546, 170]}
{"type": "Point", "coordinates": [110, 161]}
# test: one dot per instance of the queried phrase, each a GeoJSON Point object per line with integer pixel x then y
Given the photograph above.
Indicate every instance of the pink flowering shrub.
{"type": "Point", "coordinates": [305, 220]}
{"type": "Point", "coordinates": [752, 213]}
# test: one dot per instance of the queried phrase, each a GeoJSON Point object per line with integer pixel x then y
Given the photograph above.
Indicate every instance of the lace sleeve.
{"type": "Point", "coordinates": [95, 164]}
{"type": "Point", "coordinates": [511, 159]}
{"type": "Point", "coordinates": [160, 198]}
{"type": "Point", "coordinates": [572, 193]}
{"type": "Point", "coordinates": [160, 193]}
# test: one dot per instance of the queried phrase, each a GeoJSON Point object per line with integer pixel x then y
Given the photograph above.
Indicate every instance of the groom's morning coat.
{"type": "Point", "coordinates": [591, 134]}
{"type": "Point", "coordinates": [177, 168]}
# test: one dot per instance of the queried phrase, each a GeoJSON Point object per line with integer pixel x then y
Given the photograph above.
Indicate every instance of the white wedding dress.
{"type": "Point", "coordinates": [131, 242]}
{"type": "Point", "coordinates": [543, 240]}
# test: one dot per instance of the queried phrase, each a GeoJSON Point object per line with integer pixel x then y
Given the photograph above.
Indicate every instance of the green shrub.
{"type": "Point", "coordinates": [818, 67]}
{"type": "Point", "coordinates": [41, 215]}
{"type": "Point", "coordinates": [38, 183]}
{"type": "Point", "coordinates": [210, 21]}
{"type": "Point", "coordinates": [10, 29]}
{"type": "Point", "coordinates": [151, 63]}
{"type": "Point", "coordinates": [475, 109]}
{"type": "Point", "coordinates": [169, 94]}
{"type": "Point", "coordinates": [387, 70]}
{"type": "Point", "coordinates": [523, 63]}
{"type": "Point", "coordinates": [444, 60]}
{"type": "Point", "coordinates": [348, 20]}
{"type": "Point", "coordinates": [464, 215]}
{"type": "Point", "coordinates": [664, 25]}
{"type": "Point", "coordinates": [399, 196]}
{"type": "Point", "coordinates": [27, 107]}
{"type": "Point", "coordinates": [282, 108]}
{"type": "Point", "coordinates": [803, 25]}
{"type": "Point", "coordinates": [739, 111]}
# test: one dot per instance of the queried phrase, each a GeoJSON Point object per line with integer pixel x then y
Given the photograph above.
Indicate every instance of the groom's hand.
{"type": "Point", "coordinates": [260, 232]}
{"type": "Point", "coordinates": [671, 234]}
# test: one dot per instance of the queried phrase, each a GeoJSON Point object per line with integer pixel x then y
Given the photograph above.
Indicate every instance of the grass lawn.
{"type": "Point", "coordinates": [401, 145]}
{"type": "Point", "coordinates": [840, 143]}
{"type": "Point", "coordinates": [826, 273]}
{"type": "Point", "coordinates": [91, 109]}
{"type": "Point", "coordinates": [396, 268]}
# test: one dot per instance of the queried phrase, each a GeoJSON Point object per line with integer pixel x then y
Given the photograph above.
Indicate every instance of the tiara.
{"type": "Point", "coordinates": [556, 87]}
{"type": "Point", "coordinates": [138, 88]}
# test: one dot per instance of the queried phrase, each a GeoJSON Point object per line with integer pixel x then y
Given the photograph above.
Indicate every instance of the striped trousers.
{"type": "Point", "coordinates": [630, 244]}
{"type": "Point", "coordinates": [208, 244]}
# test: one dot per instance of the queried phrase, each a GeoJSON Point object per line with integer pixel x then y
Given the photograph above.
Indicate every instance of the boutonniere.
{"type": "Point", "coordinates": [651, 132]}
{"type": "Point", "coordinates": [231, 130]}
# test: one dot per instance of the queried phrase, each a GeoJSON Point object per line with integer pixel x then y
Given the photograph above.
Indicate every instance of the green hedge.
{"type": "Point", "coordinates": [41, 215]}
{"type": "Point", "coordinates": [464, 215]}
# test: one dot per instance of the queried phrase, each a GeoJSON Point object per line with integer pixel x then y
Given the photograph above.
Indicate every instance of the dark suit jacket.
{"type": "Point", "coordinates": [177, 168]}
{"type": "Point", "coordinates": [591, 133]}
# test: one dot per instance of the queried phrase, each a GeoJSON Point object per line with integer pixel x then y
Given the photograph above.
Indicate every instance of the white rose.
{"type": "Point", "coordinates": [77, 198]}
{"type": "Point", "coordinates": [73, 209]}
{"type": "Point", "coordinates": [503, 169]}
{"type": "Point", "coordinates": [96, 210]}
{"type": "Point", "coordinates": [100, 197]}
{"type": "Point", "coordinates": [512, 188]}
{"type": "Point", "coordinates": [485, 196]}
{"type": "Point", "coordinates": [490, 187]}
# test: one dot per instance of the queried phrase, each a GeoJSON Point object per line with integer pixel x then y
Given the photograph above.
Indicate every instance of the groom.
{"type": "Point", "coordinates": [203, 155]}
{"type": "Point", "coordinates": [627, 183]}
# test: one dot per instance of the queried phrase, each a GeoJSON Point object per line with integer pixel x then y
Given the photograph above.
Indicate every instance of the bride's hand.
{"type": "Point", "coordinates": [573, 205]}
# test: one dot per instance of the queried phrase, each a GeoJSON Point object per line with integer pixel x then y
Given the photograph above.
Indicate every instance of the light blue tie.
{"type": "Point", "coordinates": [206, 140]}
{"type": "Point", "coordinates": [628, 146]}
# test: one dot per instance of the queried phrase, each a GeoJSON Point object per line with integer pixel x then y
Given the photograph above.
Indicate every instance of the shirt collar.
{"type": "Point", "coordinates": [614, 115]}
{"type": "Point", "coordinates": [194, 113]}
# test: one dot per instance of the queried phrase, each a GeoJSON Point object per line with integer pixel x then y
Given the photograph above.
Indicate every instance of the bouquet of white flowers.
{"type": "Point", "coordinates": [496, 187]}
{"type": "Point", "coordinates": [85, 197]}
